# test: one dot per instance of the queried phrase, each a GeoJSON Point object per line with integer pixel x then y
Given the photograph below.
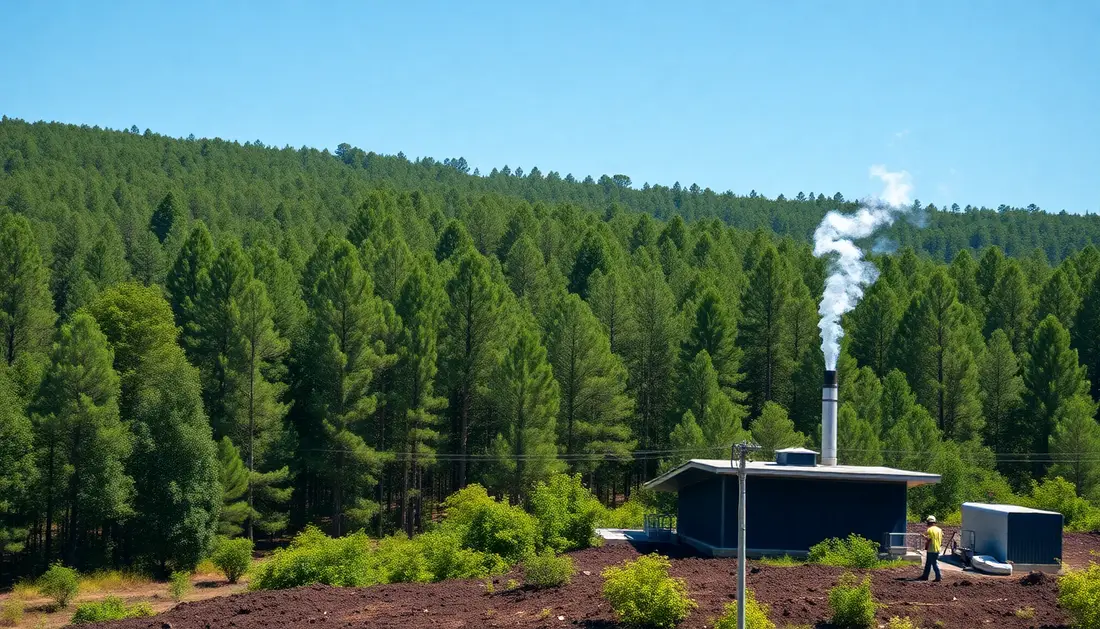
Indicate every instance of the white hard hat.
{"type": "Point", "coordinates": [930, 519]}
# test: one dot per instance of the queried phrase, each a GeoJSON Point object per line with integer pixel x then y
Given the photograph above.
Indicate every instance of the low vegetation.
{"type": "Point", "coordinates": [11, 612]}
{"type": "Point", "coordinates": [110, 608]}
{"type": "Point", "coordinates": [547, 571]}
{"type": "Point", "coordinates": [642, 593]}
{"type": "Point", "coordinates": [179, 585]}
{"type": "Point", "coordinates": [852, 552]}
{"type": "Point", "coordinates": [897, 622]}
{"type": "Point", "coordinates": [756, 615]}
{"type": "Point", "coordinates": [852, 603]}
{"type": "Point", "coordinates": [60, 584]}
{"type": "Point", "coordinates": [1079, 595]}
{"type": "Point", "coordinates": [232, 557]}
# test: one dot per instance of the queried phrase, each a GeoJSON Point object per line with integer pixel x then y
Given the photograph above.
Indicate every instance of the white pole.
{"type": "Point", "coordinates": [745, 448]}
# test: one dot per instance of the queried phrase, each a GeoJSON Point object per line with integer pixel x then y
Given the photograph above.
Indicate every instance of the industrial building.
{"type": "Point", "coordinates": [1030, 539]}
{"type": "Point", "coordinates": [793, 502]}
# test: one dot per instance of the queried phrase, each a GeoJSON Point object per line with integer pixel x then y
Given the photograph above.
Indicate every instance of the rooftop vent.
{"type": "Point", "coordinates": [796, 456]}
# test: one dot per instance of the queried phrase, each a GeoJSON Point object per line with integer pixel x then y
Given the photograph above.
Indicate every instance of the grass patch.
{"type": "Point", "coordinates": [206, 566]}
{"type": "Point", "coordinates": [11, 612]}
{"type": "Point", "coordinates": [1025, 613]}
{"type": "Point", "coordinates": [110, 608]}
{"type": "Point", "coordinates": [113, 581]}
{"type": "Point", "coordinates": [24, 588]}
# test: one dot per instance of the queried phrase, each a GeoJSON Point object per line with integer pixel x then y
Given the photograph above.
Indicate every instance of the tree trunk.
{"type": "Point", "coordinates": [251, 435]}
{"type": "Point", "coordinates": [49, 501]}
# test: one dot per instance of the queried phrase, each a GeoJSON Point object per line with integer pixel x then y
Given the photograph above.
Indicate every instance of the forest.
{"type": "Point", "coordinates": [203, 337]}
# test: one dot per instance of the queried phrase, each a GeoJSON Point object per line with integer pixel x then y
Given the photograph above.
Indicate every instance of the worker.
{"type": "Point", "coordinates": [933, 537]}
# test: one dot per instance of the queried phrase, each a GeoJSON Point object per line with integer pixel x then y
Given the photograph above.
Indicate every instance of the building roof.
{"type": "Point", "coordinates": [797, 451]}
{"type": "Point", "coordinates": [697, 470]}
{"type": "Point", "coordinates": [1006, 508]}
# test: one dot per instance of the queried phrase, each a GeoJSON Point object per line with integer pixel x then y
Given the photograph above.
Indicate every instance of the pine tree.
{"type": "Point", "coordinates": [421, 310]}
{"type": "Point", "coordinates": [283, 288]}
{"type": "Point", "coordinates": [803, 338]}
{"type": "Point", "coordinates": [1059, 299]}
{"type": "Point", "coordinates": [714, 332]}
{"type": "Point", "coordinates": [17, 469]}
{"type": "Point", "coordinates": [591, 255]}
{"type": "Point", "coordinates": [773, 430]}
{"type": "Point", "coordinates": [857, 441]}
{"type": "Point", "coordinates": [454, 240]}
{"type": "Point", "coordinates": [26, 308]}
{"type": "Point", "coordinates": [233, 477]}
{"type": "Point", "coordinates": [391, 266]}
{"type": "Point", "coordinates": [763, 331]}
{"type": "Point", "coordinates": [594, 406]}
{"type": "Point", "coordinates": [189, 274]}
{"type": "Point", "coordinates": [526, 271]}
{"type": "Point", "coordinates": [1052, 378]}
{"type": "Point", "coordinates": [338, 362]}
{"type": "Point", "coordinates": [700, 392]}
{"type": "Point", "coordinates": [1010, 306]}
{"type": "Point", "coordinates": [609, 297]}
{"type": "Point", "coordinates": [474, 331]}
{"type": "Point", "coordinates": [686, 442]}
{"type": "Point", "coordinates": [147, 263]}
{"type": "Point", "coordinates": [1001, 386]}
{"type": "Point", "coordinates": [964, 270]}
{"type": "Point", "coordinates": [526, 396]}
{"type": "Point", "coordinates": [1075, 445]}
{"type": "Point", "coordinates": [80, 438]}
{"type": "Point", "coordinates": [990, 268]}
{"type": "Point", "coordinates": [1086, 334]}
{"type": "Point", "coordinates": [106, 263]}
{"type": "Point", "coordinates": [872, 325]}
{"type": "Point", "coordinates": [165, 217]}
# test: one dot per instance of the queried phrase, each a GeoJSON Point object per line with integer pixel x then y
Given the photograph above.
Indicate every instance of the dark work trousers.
{"type": "Point", "coordinates": [931, 563]}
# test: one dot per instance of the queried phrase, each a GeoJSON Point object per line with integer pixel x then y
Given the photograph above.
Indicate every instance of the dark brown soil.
{"type": "Point", "coordinates": [798, 596]}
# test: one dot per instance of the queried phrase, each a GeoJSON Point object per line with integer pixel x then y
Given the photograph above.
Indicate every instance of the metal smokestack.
{"type": "Point", "coordinates": [828, 419]}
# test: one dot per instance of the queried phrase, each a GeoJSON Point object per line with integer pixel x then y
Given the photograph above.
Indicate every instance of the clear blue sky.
{"type": "Point", "coordinates": [983, 102]}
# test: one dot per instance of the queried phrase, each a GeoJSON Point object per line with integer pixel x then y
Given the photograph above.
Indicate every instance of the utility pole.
{"type": "Point", "coordinates": [741, 449]}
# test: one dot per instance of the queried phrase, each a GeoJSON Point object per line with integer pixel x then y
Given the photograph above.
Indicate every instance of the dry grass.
{"type": "Point", "coordinates": [106, 581]}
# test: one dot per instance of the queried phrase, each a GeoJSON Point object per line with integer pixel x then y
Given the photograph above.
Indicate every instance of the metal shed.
{"type": "Point", "coordinates": [1028, 538]}
{"type": "Point", "coordinates": [790, 506]}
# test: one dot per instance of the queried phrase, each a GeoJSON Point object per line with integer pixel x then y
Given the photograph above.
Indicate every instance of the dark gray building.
{"type": "Point", "coordinates": [791, 505]}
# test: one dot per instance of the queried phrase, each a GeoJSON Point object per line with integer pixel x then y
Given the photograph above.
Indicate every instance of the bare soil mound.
{"type": "Point", "coordinates": [797, 595]}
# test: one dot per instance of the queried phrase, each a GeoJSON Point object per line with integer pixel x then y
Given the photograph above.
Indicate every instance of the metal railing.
{"type": "Point", "coordinates": [659, 526]}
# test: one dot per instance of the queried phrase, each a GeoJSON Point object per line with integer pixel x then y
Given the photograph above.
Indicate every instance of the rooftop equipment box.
{"type": "Point", "coordinates": [1020, 535]}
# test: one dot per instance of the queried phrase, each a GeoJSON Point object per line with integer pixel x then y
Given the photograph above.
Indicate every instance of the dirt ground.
{"type": "Point", "coordinates": [797, 596]}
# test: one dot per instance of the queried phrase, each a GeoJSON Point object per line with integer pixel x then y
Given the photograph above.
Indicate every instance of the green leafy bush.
{"type": "Point", "coordinates": [461, 507]}
{"type": "Point", "coordinates": [503, 530]}
{"type": "Point", "coordinates": [401, 560]}
{"type": "Point", "coordinates": [314, 557]}
{"type": "Point", "coordinates": [1058, 494]}
{"type": "Point", "coordinates": [1079, 595]}
{"type": "Point", "coordinates": [110, 608]}
{"type": "Point", "coordinates": [756, 615]}
{"type": "Point", "coordinates": [852, 603]}
{"type": "Point", "coordinates": [547, 571]}
{"type": "Point", "coordinates": [446, 558]}
{"type": "Point", "coordinates": [232, 557]}
{"type": "Point", "coordinates": [853, 552]}
{"type": "Point", "coordinates": [179, 584]}
{"type": "Point", "coordinates": [642, 593]}
{"type": "Point", "coordinates": [566, 512]}
{"type": "Point", "coordinates": [628, 515]}
{"type": "Point", "coordinates": [59, 583]}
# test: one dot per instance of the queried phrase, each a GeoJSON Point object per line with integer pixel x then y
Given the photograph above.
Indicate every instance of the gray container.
{"type": "Point", "coordinates": [1019, 535]}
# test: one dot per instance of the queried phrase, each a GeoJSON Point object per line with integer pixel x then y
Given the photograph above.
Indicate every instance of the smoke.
{"type": "Point", "coordinates": [849, 273]}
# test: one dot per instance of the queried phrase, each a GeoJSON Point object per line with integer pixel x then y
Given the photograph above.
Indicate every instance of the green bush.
{"type": "Point", "coordinates": [1058, 494]}
{"type": "Point", "coordinates": [314, 557]}
{"type": "Point", "coordinates": [500, 529]}
{"type": "Point", "coordinates": [59, 583]}
{"type": "Point", "coordinates": [566, 512]}
{"type": "Point", "coordinates": [853, 552]}
{"type": "Point", "coordinates": [852, 603]}
{"type": "Point", "coordinates": [401, 560]}
{"type": "Point", "coordinates": [756, 615]}
{"type": "Point", "coordinates": [11, 612]}
{"type": "Point", "coordinates": [110, 608]}
{"type": "Point", "coordinates": [179, 584]}
{"type": "Point", "coordinates": [461, 507]}
{"type": "Point", "coordinates": [446, 558]}
{"type": "Point", "coordinates": [232, 557]}
{"type": "Point", "coordinates": [901, 623]}
{"type": "Point", "coordinates": [1079, 595]}
{"type": "Point", "coordinates": [628, 515]}
{"type": "Point", "coordinates": [547, 571]}
{"type": "Point", "coordinates": [642, 593]}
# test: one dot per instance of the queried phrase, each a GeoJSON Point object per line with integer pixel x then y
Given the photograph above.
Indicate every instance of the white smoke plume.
{"type": "Point", "coordinates": [849, 273]}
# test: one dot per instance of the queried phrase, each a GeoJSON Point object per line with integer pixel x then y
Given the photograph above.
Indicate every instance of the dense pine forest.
{"type": "Point", "coordinates": [203, 337]}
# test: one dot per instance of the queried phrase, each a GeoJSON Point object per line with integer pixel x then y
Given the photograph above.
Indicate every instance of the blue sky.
{"type": "Point", "coordinates": [982, 102]}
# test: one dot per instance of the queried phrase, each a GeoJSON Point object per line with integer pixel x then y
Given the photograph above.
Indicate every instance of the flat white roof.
{"type": "Point", "coordinates": [1006, 508]}
{"type": "Point", "coordinates": [691, 472]}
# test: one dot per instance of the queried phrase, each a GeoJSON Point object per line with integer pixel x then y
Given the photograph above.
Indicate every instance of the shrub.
{"type": "Point", "coordinates": [500, 529]}
{"type": "Point", "coordinates": [628, 515]}
{"type": "Point", "coordinates": [853, 552]}
{"type": "Point", "coordinates": [179, 584]}
{"type": "Point", "coordinates": [60, 583]}
{"type": "Point", "coordinates": [314, 557]}
{"type": "Point", "coordinates": [232, 557]}
{"type": "Point", "coordinates": [547, 571]}
{"type": "Point", "coordinates": [11, 614]}
{"type": "Point", "coordinates": [1058, 494]}
{"type": "Point", "coordinates": [461, 507]}
{"type": "Point", "coordinates": [642, 593]}
{"type": "Point", "coordinates": [566, 512]}
{"type": "Point", "coordinates": [110, 608]}
{"type": "Point", "coordinates": [400, 560]}
{"type": "Point", "coordinates": [1079, 595]}
{"type": "Point", "coordinates": [901, 623]}
{"type": "Point", "coordinates": [756, 615]}
{"type": "Point", "coordinates": [446, 558]}
{"type": "Point", "coordinates": [852, 604]}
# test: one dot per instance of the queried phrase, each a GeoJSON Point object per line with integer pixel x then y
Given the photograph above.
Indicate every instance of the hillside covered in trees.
{"type": "Point", "coordinates": [201, 337]}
